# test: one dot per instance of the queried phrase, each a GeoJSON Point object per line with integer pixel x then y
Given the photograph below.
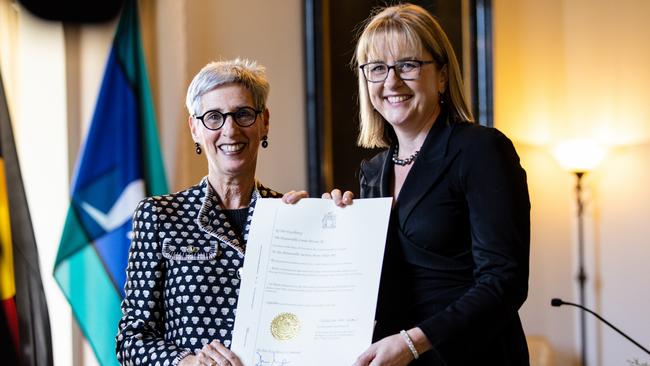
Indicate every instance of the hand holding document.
{"type": "Point", "coordinates": [310, 282]}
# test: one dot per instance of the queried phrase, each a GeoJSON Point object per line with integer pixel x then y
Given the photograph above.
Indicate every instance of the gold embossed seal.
{"type": "Point", "coordinates": [285, 326]}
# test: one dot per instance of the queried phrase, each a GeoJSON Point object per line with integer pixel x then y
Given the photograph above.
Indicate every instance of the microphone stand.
{"type": "Point", "coordinates": [560, 302]}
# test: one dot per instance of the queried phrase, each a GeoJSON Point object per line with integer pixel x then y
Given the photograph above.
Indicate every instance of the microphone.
{"type": "Point", "coordinates": [559, 302]}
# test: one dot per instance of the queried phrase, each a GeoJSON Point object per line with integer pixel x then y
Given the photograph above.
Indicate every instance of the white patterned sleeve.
{"type": "Point", "coordinates": [140, 339]}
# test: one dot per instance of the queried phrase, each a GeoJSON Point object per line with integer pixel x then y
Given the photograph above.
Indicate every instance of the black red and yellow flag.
{"type": "Point", "coordinates": [24, 321]}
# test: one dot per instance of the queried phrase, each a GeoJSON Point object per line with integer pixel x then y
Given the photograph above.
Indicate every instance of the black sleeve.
{"type": "Point", "coordinates": [496, 192]}
{"type": "Point", "coordinates": [140, 338]}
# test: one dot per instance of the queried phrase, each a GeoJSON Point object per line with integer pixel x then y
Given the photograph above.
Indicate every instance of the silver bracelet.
{"type": "Point", "coordinates": [409, 344]}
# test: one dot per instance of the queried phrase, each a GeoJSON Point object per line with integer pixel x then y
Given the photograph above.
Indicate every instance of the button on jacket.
{"type": "Point", "coordinates": [182, 276]}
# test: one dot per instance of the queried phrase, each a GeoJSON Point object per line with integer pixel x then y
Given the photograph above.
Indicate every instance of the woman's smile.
{"type": "Point", "coordinates": [232, 148]}
{"type": "Point", "coordinates": [411, 104]}
{"type": "Point", "coordinates": [396, 99]}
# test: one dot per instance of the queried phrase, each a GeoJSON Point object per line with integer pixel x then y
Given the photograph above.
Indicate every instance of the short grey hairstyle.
{"type": "Point", "coordinates": [246, 72]}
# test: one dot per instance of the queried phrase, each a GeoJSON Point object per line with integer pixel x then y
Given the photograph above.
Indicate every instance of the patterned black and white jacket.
{"type": "Point", "coordinates": [182, 277]}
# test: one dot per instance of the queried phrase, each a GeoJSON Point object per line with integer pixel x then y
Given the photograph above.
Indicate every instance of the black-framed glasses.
{"type": "Point", "coordinates": [377, 72]}
{"type": "Point", "coordinates": [214, 120]}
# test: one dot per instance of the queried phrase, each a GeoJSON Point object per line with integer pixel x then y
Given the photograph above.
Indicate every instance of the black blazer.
{"type": "Point", "coordinates": [456, 262]}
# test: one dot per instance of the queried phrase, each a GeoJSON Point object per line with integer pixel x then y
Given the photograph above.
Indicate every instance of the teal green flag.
{"type": "Point", "coordinates": [119, 164]}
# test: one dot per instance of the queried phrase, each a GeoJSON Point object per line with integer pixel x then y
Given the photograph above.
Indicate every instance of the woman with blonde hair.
{"type": "Point", "coordinates": [455, 271]}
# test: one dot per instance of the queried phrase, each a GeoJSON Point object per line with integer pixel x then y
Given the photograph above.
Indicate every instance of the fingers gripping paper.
{"type": "Point", "coordinates": [310, 282]}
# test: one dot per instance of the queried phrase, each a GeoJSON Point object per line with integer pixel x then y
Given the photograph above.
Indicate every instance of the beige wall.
{"type": "Point", "coordinates": [58, 69]}
{"type": "Point", "coordinates": [563, 68]}
{"type": "Point", "coordinates": [191, 34]}
{"type": "Point", "coordinates": [579, 68]}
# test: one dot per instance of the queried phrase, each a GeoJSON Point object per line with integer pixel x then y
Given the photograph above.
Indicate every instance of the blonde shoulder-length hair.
{"type": "Point", "coordinates": [405, 27]}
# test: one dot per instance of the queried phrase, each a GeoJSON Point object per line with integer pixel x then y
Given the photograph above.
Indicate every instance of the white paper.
{"type": "Point", "coordinates": [310, 282]}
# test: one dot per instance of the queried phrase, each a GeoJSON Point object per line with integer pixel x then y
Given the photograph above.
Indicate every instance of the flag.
{"type": "Point", "coordinates": [119, 164]}
{"type": "Point", "coordinates": [24, 323]}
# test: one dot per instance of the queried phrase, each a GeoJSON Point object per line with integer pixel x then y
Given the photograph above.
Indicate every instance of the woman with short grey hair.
{"type": "Point", "coordinates": [241, 71]}
{"type": "Point", "coordinates": [188, 247]}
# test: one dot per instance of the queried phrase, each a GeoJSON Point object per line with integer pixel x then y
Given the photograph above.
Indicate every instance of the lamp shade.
{"type": "Point", "coordinates": [579, 155]}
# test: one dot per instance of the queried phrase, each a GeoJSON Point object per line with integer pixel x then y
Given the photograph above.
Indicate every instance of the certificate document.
{"type": "Point", "coordinates": [310, 282]}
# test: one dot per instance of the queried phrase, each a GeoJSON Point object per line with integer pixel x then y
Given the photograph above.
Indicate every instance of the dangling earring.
{"type": "Point", "coordinates": [265, 143]}
{"type": "Point", "coordinates": [441, 99]}
{"type": "Point", "coordinates": [197, 148]}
